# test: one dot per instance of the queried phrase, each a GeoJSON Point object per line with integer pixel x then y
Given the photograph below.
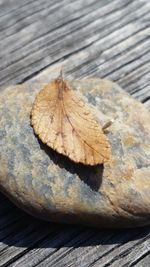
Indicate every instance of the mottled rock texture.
{"type": "Point", "coordinates": [50, 186]}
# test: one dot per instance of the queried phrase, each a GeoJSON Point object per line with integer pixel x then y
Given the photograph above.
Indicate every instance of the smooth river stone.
{"type": "Point", "coordinates": [50, 186]}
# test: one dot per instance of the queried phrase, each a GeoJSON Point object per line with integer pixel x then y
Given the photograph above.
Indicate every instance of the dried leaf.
{"type": "Point", "coordinates": [64, 122]}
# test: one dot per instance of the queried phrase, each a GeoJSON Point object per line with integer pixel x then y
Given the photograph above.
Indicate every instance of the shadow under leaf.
{"type": "Point", "coordinates": [91, 175]}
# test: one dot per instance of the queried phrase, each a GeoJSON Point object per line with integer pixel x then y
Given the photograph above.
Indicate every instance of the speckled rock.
{"type": "Point", "coordinates": [50, 186]}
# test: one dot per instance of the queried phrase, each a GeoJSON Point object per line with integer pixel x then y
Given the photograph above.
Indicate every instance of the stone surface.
{"type": "Point", "coordinates": [50, 186]}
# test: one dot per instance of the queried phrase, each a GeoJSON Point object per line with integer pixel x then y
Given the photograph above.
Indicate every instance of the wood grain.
{"type": "Point", "coordinates": [98, 38]}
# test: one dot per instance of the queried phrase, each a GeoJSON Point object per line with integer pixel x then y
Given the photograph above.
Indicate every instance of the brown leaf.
{"type": "Point", "coordinates": [64, 122]}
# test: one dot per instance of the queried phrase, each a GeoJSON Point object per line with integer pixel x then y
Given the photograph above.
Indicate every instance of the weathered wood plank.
{"type": "Point", "coordinates": [27, 55]}
{"type": "Point", "coordinates": [99, 245]}
{"type": "Point", "coordinates": [126, 254]}
{"type": "Point", "coordinates": [91, 249]}
{"type": "Point", "coordinates": [144, 262]}
{"type": "Point", "coordinates": [46, 248]}
{"type": "Point", "coordinates": [135, 254]}
{"type": "Point", "coordinates": [24, 239]}
{"type": "Point", "coordinates": [139, 64]}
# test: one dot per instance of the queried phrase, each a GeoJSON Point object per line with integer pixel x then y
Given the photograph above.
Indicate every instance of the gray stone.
{"type": "Point", "coordinates": [50, 186]}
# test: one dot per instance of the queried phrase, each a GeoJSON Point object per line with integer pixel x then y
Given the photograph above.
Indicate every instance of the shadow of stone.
{"type": "Point", "coordinates": [19, 229]}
